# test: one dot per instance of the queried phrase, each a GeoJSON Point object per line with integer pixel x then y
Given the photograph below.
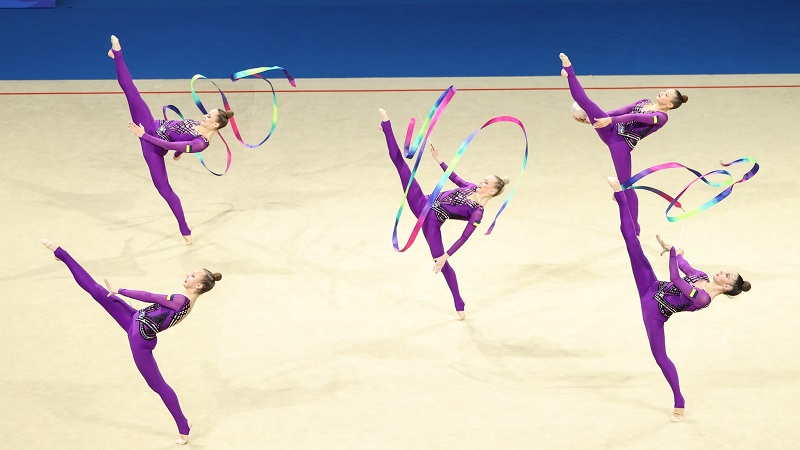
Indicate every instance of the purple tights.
{"type": "Point", "coordinates": [619, 149]}
{"type": "Point", "coordinates": [153, 155]}
{"type": "Point", "coordinates": [141, 348]}
{"type": "Point", "coordinates": [647, 285]}
{"type": "Point", "coordinates": [431, 228]}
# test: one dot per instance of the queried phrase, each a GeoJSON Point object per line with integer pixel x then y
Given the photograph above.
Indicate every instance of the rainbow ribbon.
{"type": "Point", "coordinates": [255, 72]}
{"type": "Point", "coordinates": [227, 148]}
{"type": "Point", "coordinates": [419, 145]}
{"type": "Point", "coordinates": [728, 184]}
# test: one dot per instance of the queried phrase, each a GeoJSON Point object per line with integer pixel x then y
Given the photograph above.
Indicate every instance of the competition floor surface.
{"type": "Point", "coordinates": [320, 336]}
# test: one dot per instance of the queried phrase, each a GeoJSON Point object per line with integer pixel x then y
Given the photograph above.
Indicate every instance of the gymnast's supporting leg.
{"type": "Point", "coordinates": [646, 282]}
{"type": "Point", "coordinates": [658, 346]}
{"type": "Point", "coordinates": [142, 350]}
{"type": "Point", "coordinates": [121, 312]}
{"type": "Point", "coordinates": [433, 234]}
{"type": "Point", "coordinates": [154, 157]}
{"type": "Point", "coordinates": [416, 199]}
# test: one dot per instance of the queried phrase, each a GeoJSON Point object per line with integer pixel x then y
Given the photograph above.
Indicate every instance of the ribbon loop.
{"type": "Point", "coordinates": [728, 184]}
{"type": "Point", "coordinates": [419, 145]}
{"type": "Point", "coordinates": [255, 72]}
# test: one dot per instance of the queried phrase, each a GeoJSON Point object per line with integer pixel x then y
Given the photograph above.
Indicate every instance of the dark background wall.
{"type": "Point", "coordinates": [396, 38]}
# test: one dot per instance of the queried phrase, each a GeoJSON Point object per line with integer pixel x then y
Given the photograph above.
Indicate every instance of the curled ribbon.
{"type": "Point", "coordinates": [419, 144]}
{"type": "Point", "coordinates": [255, 72]}
{"type": "Point", "coordinates": [728, 184]}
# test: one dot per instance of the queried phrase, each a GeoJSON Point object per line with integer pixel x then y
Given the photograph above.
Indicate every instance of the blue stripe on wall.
{"type": "Point", "coordinates": [320, 39]}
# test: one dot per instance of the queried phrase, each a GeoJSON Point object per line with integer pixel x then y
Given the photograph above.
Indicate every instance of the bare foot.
{"type": "Point", "coordinates": [114, 46]}
{"type": "Point", "coordinates": [384, 117]}
{"type": "Point", "coordinates": [564, 63]}
{"type": "Point", "coordinates": [614, 183]}
{"type": "Point", "coordinates": [461, 315]}
{"type": "Point", "coordinates": [184, 438]}
{"type": "Point", "coordinates": [187, 238]}
{"type": "Point", "coordinates": [677, 415]}
{"type": "Point", "coordinates": [50, 246]}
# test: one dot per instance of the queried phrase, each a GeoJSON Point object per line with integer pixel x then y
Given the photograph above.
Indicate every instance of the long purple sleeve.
{"type": "Point", "coordinates": [472, 224]}
{"type": "Point", "coordinates": [460, 182]}
{"type": "Point", "coordinates": [171, 301]}
{"type": "Point", "coordinates": [684, 266]}
{"type": "Point", "coordinates": [623, 110]}
{"type": "Point", "coordinates": [193, 146]}
{"type": "Point", "coordinates": [698, 297]}
{"type": "Point", "coordinates": [651, 118]}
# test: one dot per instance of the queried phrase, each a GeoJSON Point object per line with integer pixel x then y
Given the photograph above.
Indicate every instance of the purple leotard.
{"type": "Point", "coordinates": [453, 204]}
{"type": "Point", "coordinates": [660, 299]}
{"type": "Point", "coordinates": [154, 147]}
{"type": "Point", "coordinates": [629, 125]}
{"type": "Point", "coordinates": [178, 135]}
{"type": "Point", "coordinates": [165, 312]}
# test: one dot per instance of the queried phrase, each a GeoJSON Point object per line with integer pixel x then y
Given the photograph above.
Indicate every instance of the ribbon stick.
{"type": "Point", "coordinates": [255, 72]}
{"type": "Point", "coordinates": [727, 184]}
{"type": "Point", "coordinates": [419, 144]}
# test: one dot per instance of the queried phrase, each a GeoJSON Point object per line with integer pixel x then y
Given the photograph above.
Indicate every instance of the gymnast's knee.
{"type": "Point", "coordinates": [165, 190]}
{"type": "Point", "coordinates": [97, 292]}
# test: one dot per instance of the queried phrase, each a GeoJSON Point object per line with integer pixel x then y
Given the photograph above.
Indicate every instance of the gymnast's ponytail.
{"type": "Point", "coordinates": [500, 184]}
{"type": "Point", "coordinates": [738, 287]}
{"type": "Point", "coordinates": [679, 99]}
{"type": "Point", "coordinates": [209, 280]}
{"type": "Point", "coordinates": [222, 118]}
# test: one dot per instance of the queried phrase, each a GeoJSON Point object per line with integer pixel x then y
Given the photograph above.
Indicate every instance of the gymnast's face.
{"type": "Point", "coordinates": [726, 278]}
{"type": "Point", "coordinates": [487, 186]}
{"type": "Point", "coordinates": [210, 119]}
{"type": "Point", "coordinates": [193, 279]}
{"type": "Point", "coordinates": [667, 97]}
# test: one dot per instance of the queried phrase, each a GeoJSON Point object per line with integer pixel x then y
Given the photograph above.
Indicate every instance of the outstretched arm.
{"type": "Point", "coordinates": [624, 110]}
{"type": "Point", "coordinates": [460, 182]}
{"type": "Point", "coordinates": [472, 223]}
{"type": "Point", "coordinates": [652, 118]}
{"type": "Point", "coordinates": [194, 146]}
{"type": "Point", "coordinates": [698, 297]}
{"type": "Point", "coordinates": [684, 266]}
{"type": "Point", "coordinates": [171, 301]}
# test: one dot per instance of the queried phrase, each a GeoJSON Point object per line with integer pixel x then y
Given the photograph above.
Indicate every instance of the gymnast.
{"type": "Point", "coordinates": [660, 299]}
{"type": "Point", "coordinates": [464, 203]}
{"type": "Point", "coordinates": [158, 136]}
{"type": "Point", "coordinates": [142, 326]}
{"type": "Point", "coordinates": [632, 124]}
